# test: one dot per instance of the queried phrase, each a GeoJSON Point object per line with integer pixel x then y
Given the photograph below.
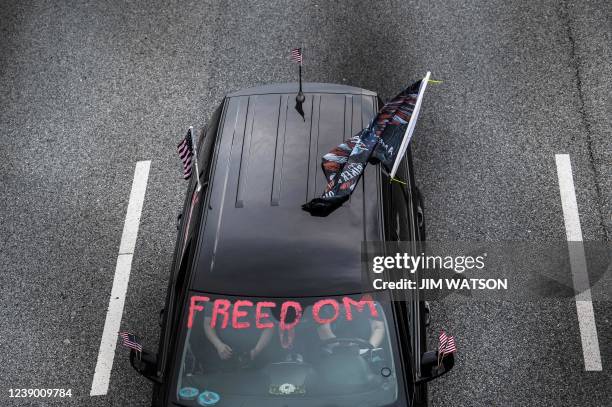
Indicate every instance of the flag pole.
{"type": "Point", "coordinates": [195, 157]}
{"type": "Point", "coordinates": [300, 69]}
{"type": "Point", "coordinates": [300, 75]}
{"type": "Point", "coordinates": [300, 98]}
{"type": "Point", "coordinates": [296, 56]}
{"type": "Point", "coordinates": [411, 125]}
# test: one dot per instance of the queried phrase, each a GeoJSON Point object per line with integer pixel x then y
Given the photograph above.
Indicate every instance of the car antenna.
{"type": "Point", "coordinates": [296, 56]}
{"type": "Point", "coordinates": [195, 158]}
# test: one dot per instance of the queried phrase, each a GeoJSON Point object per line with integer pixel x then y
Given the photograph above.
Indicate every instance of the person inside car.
{"type": "Point", "coordinates": [241, 345]}
{"type": "Point", "coordinates": [370, 331]}
{"type": "Point", "coordinates": [293, 341]}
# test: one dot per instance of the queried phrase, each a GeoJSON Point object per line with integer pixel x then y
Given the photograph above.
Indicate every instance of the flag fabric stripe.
{"type": "Point", "coordinates": [185, 152]}
{"type": "Point", "coordinates": [182, 148]}
{"type": "Point", "coordinates": [296, 55]}
{"type": "Point", "coordinates": [442, 342]}
{"type": "Point", "coordinates": [184, 155]}
{"type": "Point", "coordinates": [450, 346]}
{"type": "Point", "coordinates": [446, 344]}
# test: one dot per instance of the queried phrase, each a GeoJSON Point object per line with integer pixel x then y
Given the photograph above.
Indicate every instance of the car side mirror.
{"type": "Point", "coordinates": [145, 363]}
{"type": "Point", "coordinates": [429, 365]}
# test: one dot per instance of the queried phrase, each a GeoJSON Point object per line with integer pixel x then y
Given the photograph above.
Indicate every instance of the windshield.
{"type": "Point", "coordinates": [333, 351]}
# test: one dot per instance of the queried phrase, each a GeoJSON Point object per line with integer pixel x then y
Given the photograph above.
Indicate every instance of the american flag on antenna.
{"type": "Point", "coordinates": [296, 55]}
{"type": "Point", "coordinates": [185, 152]}
{"type": "Point", "coordinates": [130, 340]}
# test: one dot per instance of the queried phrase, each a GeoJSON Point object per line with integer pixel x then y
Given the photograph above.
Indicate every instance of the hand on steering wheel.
{"type": "Point", "coordinates": [363, 344]}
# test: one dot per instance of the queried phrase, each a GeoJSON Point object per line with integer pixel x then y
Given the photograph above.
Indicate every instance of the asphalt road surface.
{"type": "Point", "coordinates": [87, 89]}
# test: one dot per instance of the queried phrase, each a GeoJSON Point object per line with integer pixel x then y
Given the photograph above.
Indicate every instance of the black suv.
{"type": "Point", "coordinates": [265, 305]}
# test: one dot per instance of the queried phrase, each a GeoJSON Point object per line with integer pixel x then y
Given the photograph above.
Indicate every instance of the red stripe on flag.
{"type": "Point", "coordinates": [450, 347]}
{"type": "Point", "coordinates": [296, 55]}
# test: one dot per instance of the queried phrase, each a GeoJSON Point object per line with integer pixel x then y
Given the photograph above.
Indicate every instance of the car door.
{"type": "Point", "coordinates": [402, 225]}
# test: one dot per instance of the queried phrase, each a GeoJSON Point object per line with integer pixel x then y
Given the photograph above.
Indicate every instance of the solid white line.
{"type": "Point", "coordinates": [106, 354]}
{"type": "Point", "coordinates": [573, 231]}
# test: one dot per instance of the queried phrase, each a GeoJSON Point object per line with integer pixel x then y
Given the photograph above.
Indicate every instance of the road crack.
{"type": "Point", "coordinates": [575, 62]}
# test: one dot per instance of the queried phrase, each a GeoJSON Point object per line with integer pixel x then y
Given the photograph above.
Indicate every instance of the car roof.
{"type": "Point", "coordinates": [256, 240]}
{"type": "Point", "coordinates": [308, 87]}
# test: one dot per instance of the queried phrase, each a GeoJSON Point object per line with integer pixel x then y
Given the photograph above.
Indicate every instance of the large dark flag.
{"type": "Point", "coordinates": [380, 142]}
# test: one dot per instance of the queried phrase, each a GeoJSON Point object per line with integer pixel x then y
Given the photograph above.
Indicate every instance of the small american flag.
{"type": "Point", "coordinates": [442, 340]}
{"type": "Point", "coordinates": [296, 55]}
{"type": "Point", "coordinates": [185, 152]}
{"type": "Point", "coordinates": [450, 346]}
{"type": "Point", "coordinates": [130, 340]}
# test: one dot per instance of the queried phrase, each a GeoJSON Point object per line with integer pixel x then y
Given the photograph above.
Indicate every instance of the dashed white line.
{"type": "Point", "coordinates": [106, 353]}
{"type": "Point", "coordinates": [573, 231]}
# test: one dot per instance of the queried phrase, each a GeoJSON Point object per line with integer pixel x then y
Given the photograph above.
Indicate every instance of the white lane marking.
{"type": "Point", "coordinates": [106, 354]}
{"type": "Point", "coordinates": [573, 231]}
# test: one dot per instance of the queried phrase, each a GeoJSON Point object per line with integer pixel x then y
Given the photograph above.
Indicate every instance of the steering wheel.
{"type": "Point", "coordinates": [347, 341]}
